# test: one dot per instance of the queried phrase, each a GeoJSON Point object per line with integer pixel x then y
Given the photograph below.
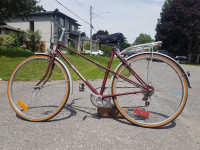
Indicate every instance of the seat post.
{"type": "Point", "coordinates": [116, 48]}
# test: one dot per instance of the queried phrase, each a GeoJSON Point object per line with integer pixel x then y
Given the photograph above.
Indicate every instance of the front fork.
{"type": "Point", "coordinates": [48, 72]}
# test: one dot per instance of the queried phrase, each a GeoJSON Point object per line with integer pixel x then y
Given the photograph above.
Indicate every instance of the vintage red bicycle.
{"type": "Point", "coordinates": [149, 89]}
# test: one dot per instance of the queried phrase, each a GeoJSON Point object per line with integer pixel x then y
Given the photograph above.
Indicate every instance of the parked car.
{"type": "Point", "coordinates": [127, 54]}
{"type": "Point", "coordinates": [97, 52]}
{"type": "Point", "coordinates": [181, 59]}
{"type": "Point", "coordinates": [165, 52]}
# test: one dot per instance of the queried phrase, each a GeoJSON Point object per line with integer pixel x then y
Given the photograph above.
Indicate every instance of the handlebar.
{"type": "Point", "coordinates": [54, 13]}
{"type": "Point", "coordinates": [55, 19]}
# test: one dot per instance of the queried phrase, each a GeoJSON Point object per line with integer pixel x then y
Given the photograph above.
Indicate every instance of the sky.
{"type": "Point", "coordinates": [129, 17]}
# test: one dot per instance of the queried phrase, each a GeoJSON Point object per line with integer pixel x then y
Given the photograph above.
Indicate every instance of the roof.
{"type": "Point", "coordinates": [85, 38]}
{"type": "Point", "coordinates": [5, 26]}
{"type": "Point", "coordinates": [51, 12]}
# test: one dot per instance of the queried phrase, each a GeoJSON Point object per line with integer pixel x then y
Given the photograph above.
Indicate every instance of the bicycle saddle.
{"type": "Point", "coordinates": [112, 39]}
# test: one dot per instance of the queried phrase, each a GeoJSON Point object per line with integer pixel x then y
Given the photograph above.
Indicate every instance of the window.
{"type": "Point", "coordinates": [73, 27]}
{"type": "Point", "coordinates": [32, 25]}
{"type": "Point", "coordinates": [62, 22]}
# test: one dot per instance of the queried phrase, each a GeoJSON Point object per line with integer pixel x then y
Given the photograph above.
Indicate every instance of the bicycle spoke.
{"type": "Point", "coordinates": [156, 108]}
{"type": "Point", "coordinates": [38, 103]}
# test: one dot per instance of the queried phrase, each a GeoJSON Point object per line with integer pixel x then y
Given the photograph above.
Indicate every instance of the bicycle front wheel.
{"type": "Point", "coordinates": [155, 108]}
{"type": "Point", "coordinates": [42, 102]}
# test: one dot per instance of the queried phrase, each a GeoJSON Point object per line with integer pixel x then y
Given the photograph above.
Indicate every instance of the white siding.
{"type": "Point", "coordinates": [20, 25]}
{"type": "Point", "coordinates": [41, 23]}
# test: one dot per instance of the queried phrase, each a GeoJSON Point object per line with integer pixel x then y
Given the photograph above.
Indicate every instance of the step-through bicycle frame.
{"type": "Point", "coordinates": [142, 85]}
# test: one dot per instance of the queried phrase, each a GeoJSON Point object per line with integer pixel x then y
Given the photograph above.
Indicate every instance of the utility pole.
{"type": "Point", "coordinates": [91, 17]}
{"type": "Point", "coordinates": [91, 30]}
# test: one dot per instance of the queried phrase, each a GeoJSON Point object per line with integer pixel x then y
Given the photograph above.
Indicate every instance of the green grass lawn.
{"type": "Point", "coordinates": [9, 60]}
{"type": "Point", "coordinates": [88, 69]}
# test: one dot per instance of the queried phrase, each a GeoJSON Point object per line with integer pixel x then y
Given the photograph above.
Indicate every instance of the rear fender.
{"type": "Point", "coordinates": [184, 73]}
{"type": "Point", "coordinates": [178, 65]}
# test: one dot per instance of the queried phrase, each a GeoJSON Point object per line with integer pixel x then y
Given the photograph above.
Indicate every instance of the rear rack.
{"type": "Point", "coordinates": [142, 47]}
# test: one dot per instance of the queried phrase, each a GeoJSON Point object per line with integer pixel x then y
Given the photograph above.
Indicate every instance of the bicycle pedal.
{"type": "Point", "coordinates": [141, 112]}
{"type": "Point", "coordinates": [81, 87]}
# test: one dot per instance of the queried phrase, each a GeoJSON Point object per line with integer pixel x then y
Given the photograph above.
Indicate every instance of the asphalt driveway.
{"type": "Point", "coordinates": [78, 127]}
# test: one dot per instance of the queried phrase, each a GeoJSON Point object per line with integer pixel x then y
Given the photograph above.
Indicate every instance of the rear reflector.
{"type": "Point", "coordinates": [141, 112]}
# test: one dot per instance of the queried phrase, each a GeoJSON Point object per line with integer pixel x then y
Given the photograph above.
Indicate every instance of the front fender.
{"type": "Point", "coordinates": [70, 78]}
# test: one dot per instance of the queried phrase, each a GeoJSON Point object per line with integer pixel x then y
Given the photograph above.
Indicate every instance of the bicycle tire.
{"type": "Point", "coordinates": [38, 103]}
{"type": "Point", "coordinates": [170, 90]}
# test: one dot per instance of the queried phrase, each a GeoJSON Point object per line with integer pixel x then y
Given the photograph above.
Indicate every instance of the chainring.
{"type": "Point", "coordinates": [99, 102]}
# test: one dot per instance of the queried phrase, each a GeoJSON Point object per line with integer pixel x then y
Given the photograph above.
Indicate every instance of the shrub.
{"type": "Point", "coordinates": [87, 46]}
{"type": "Point", "coordinates": [22, 37]}
{"type": "Point", "coordinates": [32, 39]}
{"type": "Point", "coordinates": [15, 39]}
{"type": "Point", "coordinates": [9, 40]}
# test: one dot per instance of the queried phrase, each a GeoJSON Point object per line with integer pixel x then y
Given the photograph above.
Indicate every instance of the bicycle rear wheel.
{"type": "Point", "coordinates": [38, 103]}
{"type": "Point", "coordinates": [159, 107]}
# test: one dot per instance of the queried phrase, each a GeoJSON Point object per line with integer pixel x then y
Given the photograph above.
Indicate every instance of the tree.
{"type": "Point", "coordinates": [124, 44]}
{"type": "Point", "coordinates": [179, 27]}
{"type": "Point", "coordinates": [106, 49]}
{"type": "Point", "coordinates": [83, 34]}
{"type": "Point", "coordinates": [100, 32]}
{"type": "Point", "coordinates": [11, 9]}
{"type": "Point", "coordinates": [103, 47]}
{"type": "Point", "coordinates": [142, 39]}
{"type": "Point", "coordinates": [165, 8]}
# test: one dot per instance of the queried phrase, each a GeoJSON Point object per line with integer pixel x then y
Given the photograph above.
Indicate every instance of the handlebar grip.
{"type": "Point", "coordinates": [54, 16]}
{"type": "Point", "coordinates": [54, 13]}
{"type": "Point", "coordinates": [55, 19]}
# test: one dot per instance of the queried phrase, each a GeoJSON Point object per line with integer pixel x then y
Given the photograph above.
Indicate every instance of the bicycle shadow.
{"type": "Point", "coordinates": [73, 110]}
{"type": "Point", "coordinates": [172, 124]}
{"type": "Point", "coordinates": [87, 110]}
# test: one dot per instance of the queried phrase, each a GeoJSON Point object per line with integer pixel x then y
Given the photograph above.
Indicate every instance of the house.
{"type": "Point", "coordinates": [42, 21]}
{"type": "Point", "coordinates": [4, 29]}
{"type": "Point", "coordinates": [83, 41]}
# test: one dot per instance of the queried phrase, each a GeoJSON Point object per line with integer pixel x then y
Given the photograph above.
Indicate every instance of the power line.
{"type": "Point", "coordinates": [98, 16]}
{"type": "Point", "coordinates": [82, 6]}
{"type": "Point", "coordinates": [119, 25]}
{"type": "Point", "coordinates": [96, 24]}
{"type": "Point", "coordinates": [72, 12]}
